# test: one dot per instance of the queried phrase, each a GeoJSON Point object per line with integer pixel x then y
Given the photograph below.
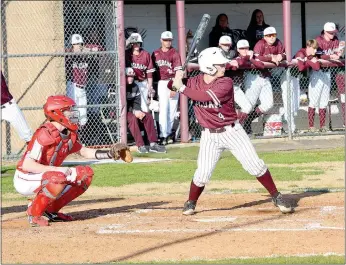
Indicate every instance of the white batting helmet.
{"type": "Point", "coordinates": [208, 58]}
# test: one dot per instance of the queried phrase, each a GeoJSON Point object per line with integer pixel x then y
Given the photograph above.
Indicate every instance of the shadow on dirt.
{"type": "Point", "coordinates": [23, 208]}
{"type": "Point", "coordinates": [292, 198]}
{"type": "Point", "coordinates": [93, 213]}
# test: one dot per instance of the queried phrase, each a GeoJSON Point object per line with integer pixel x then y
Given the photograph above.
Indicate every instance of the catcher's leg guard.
{"type": "Point", "coordinates": [83, 181]}
{"type": "Point", "coordinates": [52, 184]}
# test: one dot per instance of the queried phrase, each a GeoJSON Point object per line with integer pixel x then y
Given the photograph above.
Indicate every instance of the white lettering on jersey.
{"type": "Point", "coordinates": [138, 66]}
{"type": "Point", "coordinates": [160, 63]}
{"type": "Point", "coordinates": [207, 105]}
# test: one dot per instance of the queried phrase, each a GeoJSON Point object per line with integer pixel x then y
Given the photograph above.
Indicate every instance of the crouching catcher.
{"type": "Point", "coordinates": [39, 172]}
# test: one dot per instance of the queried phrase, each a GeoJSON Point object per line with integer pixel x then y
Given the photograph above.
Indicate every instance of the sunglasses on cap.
{"type": "Point", "coordinates": [271, 35]}
{"type": "Point", "coordinates": [166, 39]}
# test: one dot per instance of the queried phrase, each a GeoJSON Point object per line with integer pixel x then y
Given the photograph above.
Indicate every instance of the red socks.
{"type": "Point", "coordinates": [195, 192]}
{"type": "Point", "coordinates": [322, 113]}
{"type": "Point", "coordinates": [267, 181]}
{"type": "Point", "coordinates": [311, 116]}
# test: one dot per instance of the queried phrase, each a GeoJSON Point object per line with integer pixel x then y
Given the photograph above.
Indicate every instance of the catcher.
{"type": "Point", "coordinates": [39, 172]}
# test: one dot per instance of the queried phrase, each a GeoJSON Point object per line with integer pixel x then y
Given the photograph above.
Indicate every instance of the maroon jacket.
{"type": "Point", "coordinates": [142, 64]}
{"type": "Point", "coordinates": [214, 102]}
{"type": "Point", "coordinates": [263, 50]}
{"type": "Point", "coordinates": [327, 48]}
{"type": "Point", "coordinates": [5, 93]}
{"type": "Point", "coordinates": [166, 63]}
{"type": "Point", "coordinates": [304, 61]}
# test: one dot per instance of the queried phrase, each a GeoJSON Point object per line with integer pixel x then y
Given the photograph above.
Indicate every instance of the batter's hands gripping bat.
{"type": "Point", "coordinates": [197, 37]}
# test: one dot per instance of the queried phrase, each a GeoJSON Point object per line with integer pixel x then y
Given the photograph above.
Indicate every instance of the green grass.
{"type": "Point", "coordinates": [276, 260]}
{"type": "Point", "coordinates": [228, 168]}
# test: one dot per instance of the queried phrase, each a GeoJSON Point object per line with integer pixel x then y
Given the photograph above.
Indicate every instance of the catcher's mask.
{"type": "Point", "coordinates": [62, 109]}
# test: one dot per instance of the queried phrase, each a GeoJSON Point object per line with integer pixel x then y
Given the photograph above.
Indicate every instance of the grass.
{"type": "Point", "coordinates": [228, 168]}
{"type": "Point", "coordinates": [277, 260]}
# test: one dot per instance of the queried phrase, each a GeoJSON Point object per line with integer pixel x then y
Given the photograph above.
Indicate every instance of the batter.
{"type": "Point", "coordinates": [214, 108]}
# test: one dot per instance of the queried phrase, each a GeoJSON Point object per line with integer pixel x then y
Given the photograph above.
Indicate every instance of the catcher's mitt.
{"type": "Point", "coordinates": [121, 151]}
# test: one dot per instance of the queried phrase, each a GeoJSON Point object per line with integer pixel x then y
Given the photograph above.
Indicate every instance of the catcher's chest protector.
{"type": "Point", "coordinates": [56, 146]}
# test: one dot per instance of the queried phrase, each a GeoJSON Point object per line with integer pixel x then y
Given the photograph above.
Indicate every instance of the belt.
{"type": "Point", "coordinates": [219, 130]}
{"type": "Point", "coordinates": [7, 103]}
{"type": "Point", "coordinates": [79, 86]}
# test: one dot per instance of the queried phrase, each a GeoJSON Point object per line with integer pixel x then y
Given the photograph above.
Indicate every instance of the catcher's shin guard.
{"type": "Point", "coordinates": [52, 184]}
{"type": "Point", "coordinates": [83, 181]}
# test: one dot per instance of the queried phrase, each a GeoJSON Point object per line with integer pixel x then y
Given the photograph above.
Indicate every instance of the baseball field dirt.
{"type": "Point", "coordinates": [151, 228]}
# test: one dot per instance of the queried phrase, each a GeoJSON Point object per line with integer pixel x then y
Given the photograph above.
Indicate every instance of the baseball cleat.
{"type": "Point", "coordinates": [284, 206]}
{"type": "Point", "coordinates": [189, 208]}
{"type": "Point", "coordinates": [58, 217]}
{"type": "Point", "coordinates": [35, 221]}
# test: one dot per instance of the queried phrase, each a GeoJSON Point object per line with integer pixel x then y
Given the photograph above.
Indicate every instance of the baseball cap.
{"type": "Point", "coordinates": [225, 40]}
{"type": "Point", "coordinates": [129, 71]}
{"type": "Point", "coordinates": [242, 44]}
{"type": "Point", "coordinates": [76, 39]}
{"type": "Point", "coordinates": [330, 27]}
{"type": "Point", "coordinates": [167, 35]}
{"type": "Point", "coordinates": [135, 37]}
{"type": "Point", "coordinates": [269, 30]}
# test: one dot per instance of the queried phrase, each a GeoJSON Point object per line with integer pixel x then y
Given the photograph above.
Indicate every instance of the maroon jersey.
{"type": "Point", "coordinates": [263, 50]}
{"type": "Point", "coordinates": [166, 63]}
{"type": "Point", "coordinates": [5, 93]}
{"type": "Point", "coordinates": [304, 61]}
{"type": "Point", "coordinates": [327, 48]}
{"type": "Point", "coordinates": [77, 68]}
{"type": "Point", "coordinates": [244, 63]}
{"type": "Point", "coordinates": [214, 102]}
{"type": "Point", "coordinates": [141, 64]}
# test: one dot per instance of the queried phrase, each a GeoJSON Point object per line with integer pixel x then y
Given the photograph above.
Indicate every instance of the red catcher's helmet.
{"type": "Point", "coordinates": [54, 111]}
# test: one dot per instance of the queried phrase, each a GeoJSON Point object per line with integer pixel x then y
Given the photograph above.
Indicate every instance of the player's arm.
{"type": "Point", "coordinates": [258, 54]}
{"type": "Point", "coordinates": [257, 63]}
{"type": "Point", "coordinates": [217, 93]}
{"type": "Point", "coordinates": [301, 62]}
{"type": "Point", "coordinates": [281, 51]}
{"type": "Point", "coordinates": [150, 70]}
{"type": "Point", "coordinates": [177, 66]}
{"type": "Point", "coordinates": [314, 64]}
{"type": "Point", "coordinates": [31, 161]}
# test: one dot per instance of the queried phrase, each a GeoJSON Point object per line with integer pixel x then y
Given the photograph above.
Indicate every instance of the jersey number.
{"type": "Point", "coordinates": [221, 116]}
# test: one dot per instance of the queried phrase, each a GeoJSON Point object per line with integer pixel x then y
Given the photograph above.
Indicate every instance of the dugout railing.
{"type": "Point", "coordinates": [287, 77]}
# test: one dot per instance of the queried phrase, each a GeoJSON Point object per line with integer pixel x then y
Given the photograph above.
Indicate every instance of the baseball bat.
{"type": "Point", "coordinates": [197, 37]}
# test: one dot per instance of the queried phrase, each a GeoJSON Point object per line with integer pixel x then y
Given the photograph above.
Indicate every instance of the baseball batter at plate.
{"type": "Point", "coordinates": [39, 171]}
{"type": "Point", "coordinates": [257, 85]}
{"type": "Point", "coordinates": [11, 112]}
{"type": "Point", "coordinates": [245, 60]}
{"type": "Point", "coordinates": [306, 58]}
{"type": "Point", "coordinates": [140, 61]}
{"type": "Point", "coordinates": [320, 81]}
{"type": "Point", "coordinates": [167, 61]}
{"type": "Point", "coordinates": [215, 111]}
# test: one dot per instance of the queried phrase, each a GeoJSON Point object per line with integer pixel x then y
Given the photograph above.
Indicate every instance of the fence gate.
{"type": "Point", "coordinates": [60, 47]}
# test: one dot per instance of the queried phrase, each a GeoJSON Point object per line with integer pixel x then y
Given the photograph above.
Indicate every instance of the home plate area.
{"type": "Point", "coordinates": [152, 228]}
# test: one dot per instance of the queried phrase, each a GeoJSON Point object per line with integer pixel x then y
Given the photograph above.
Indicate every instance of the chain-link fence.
{"type": "Point", "coordinates": [311, 97]}
{"type": "Point", "coordinates": [61, 47]}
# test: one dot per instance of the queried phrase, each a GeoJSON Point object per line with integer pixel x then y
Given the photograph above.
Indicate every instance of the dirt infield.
{"type": "Point", "coordinates": [151, 227]}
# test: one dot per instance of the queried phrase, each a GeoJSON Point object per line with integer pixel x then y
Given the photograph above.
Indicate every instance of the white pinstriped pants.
{"type": "Point", "coordinates": [233, 139]}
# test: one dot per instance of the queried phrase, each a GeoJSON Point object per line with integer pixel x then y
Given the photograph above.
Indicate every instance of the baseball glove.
{"type": "Point", "coordinates": [121, 151]}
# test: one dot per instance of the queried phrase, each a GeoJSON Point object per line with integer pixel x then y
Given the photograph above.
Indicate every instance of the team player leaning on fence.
{"type": "Point", "coordinates": [253, 89]}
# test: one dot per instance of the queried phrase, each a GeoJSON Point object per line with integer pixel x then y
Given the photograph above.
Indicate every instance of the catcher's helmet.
{"type": "Point", "coordinates": [54, 111]}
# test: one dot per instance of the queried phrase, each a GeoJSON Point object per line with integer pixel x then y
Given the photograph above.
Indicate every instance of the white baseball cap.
{"type": "Point", "coordinates": [135, 37]}
{"type": "Point", "coordinates": [243, 44]}
{"type": "Point", "coordinates": [269, 30]}
{"type": "Point", "coordinates": [330, 27]}
{"type": "Point", "coordinates": [167, 35]}
{"type": "Point", "coordinates": [76, 39]}
{"type": "Point", "coordinates": [225, 40]}
{"type": "Point", "coordinates": [129, 71]}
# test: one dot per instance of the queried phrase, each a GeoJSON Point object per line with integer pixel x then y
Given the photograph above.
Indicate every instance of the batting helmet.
{"type": "Point", "coordinates": [54, 110]}
{"type": "Point", "coordinates": [208, 58]}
